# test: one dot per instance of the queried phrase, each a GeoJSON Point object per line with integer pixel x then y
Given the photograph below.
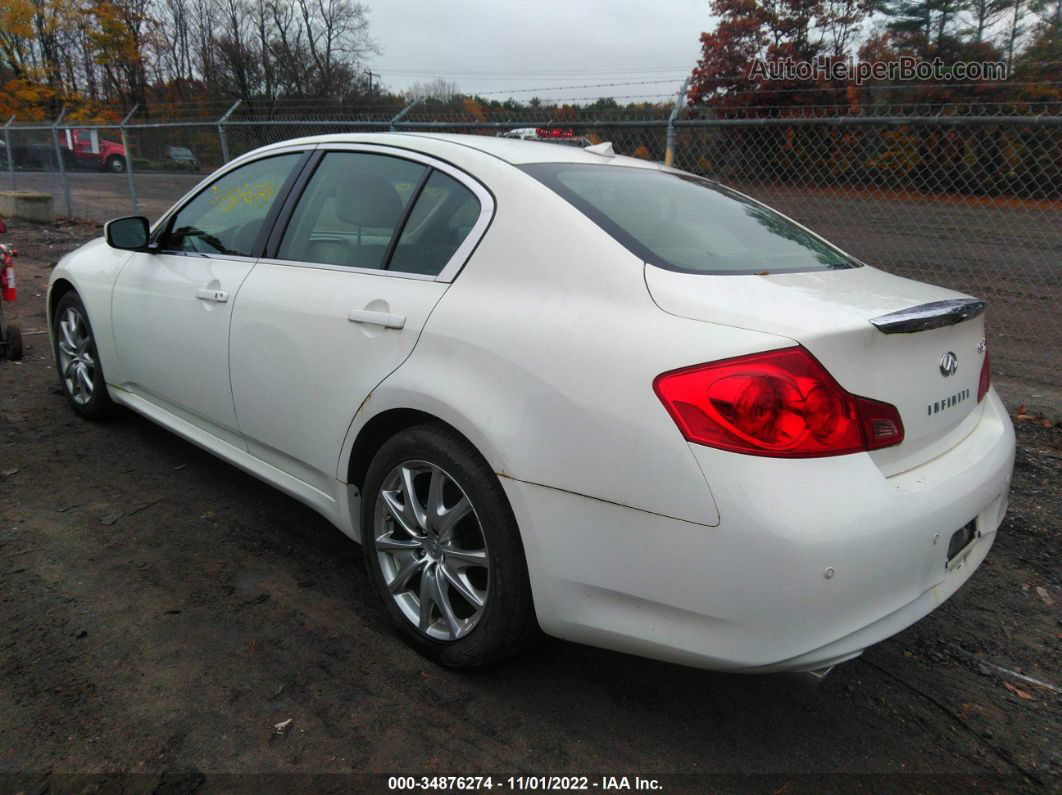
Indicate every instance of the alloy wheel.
{"type": "Point", "coordinates": [431, 550]}
{"type": "Point", "coordinates": [76, 362]}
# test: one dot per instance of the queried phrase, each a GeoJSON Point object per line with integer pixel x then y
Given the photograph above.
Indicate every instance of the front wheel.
{"type": "Point", "coordinates": [443, 550]}
{"type": "Point", "coordinates": [78, 361]}
{"type": "Point", "coordinates": [116, 164]}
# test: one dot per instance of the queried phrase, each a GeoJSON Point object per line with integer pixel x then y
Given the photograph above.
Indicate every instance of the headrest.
{"type": "Point", "coordinates": [368, 200]}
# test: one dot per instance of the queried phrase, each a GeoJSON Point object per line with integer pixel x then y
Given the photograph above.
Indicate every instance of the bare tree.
{"type": "Point", "coordinates": [842, 22]}
{"type": "Point", "coordinates": [337, 39]}
{"type": "Point", "coordinates": [1015, 30]}
{"type": "Point", "coordinates": [439, 89]}
{"type": "Point", "coordinates": [983, 15]}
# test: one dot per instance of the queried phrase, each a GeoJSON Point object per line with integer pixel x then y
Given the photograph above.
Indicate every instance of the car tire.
{"type": "Point", "coordinates": [430, 579]}
{"type": "Point", "coordinates": [77, 360]}
{"type": "Point", "coordinates": [116, 164]}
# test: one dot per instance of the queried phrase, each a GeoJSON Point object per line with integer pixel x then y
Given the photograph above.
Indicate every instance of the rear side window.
{"type": "Point", "coordinates": [227, 217]}
{"type": "Point", "coordinates": [364, 210]}
{"type": "Point", "coordinates": [351, 209]}
{"type": "Point", "coordinates": [441, 219]}
{"type": "Point", "coordinates": [684, 223]}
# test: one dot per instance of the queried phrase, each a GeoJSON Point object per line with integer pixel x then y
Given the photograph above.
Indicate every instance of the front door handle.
{"type": "Point", "coordinates": [385, 319]}
{"type": "Point", "coordinates": [217, 296]}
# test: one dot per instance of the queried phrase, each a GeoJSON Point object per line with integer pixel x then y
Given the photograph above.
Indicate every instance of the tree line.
{"type": "Point", "coordinates": [1026, 35]}
{"type": "Point", "coordinates": [95, 57]}
{"type": "Point", "coordinates": [1012, 160]}
{"type": "Point", "coordinates": [90, 55]}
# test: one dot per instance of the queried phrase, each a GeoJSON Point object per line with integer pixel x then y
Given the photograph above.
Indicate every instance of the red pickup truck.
{"type": "Point", "coordinates": [85, 148]}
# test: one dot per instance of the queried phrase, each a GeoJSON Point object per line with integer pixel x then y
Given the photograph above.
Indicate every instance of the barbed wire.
{"type": "Point", "coordinates": [684, 69]}
{"type": "Point", "coordinates": [571, 87]}
{"type": "Point", "coordinates": [751, 102]}
{"type": "Point", "coordinates": [894, 86]}
{"type": "Point", "coordinates": [614, 96]}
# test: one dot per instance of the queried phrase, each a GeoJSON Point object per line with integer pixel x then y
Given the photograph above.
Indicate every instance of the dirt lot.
{"type": "Point", "coordinates": [162, 611]}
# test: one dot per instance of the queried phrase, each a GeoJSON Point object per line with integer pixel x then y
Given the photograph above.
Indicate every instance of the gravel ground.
{"type": "Point", "coordinates": [162, 612]}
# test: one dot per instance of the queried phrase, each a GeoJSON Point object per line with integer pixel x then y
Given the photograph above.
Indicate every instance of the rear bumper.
{"type": "Point", "coordinates": [813, 560]}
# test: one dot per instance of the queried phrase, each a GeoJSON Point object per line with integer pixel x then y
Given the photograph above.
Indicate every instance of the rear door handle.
{"type": "Point", "coordinates": [385, 319]}
{"type": "Point", "coordinates": [217, 296]}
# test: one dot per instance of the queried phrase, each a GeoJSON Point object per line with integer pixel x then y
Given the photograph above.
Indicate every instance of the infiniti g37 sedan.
{"type": "Point", "coordinates": [550, 388]}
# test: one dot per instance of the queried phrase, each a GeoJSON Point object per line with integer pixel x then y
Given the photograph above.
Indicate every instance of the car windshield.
{"type": "Point", "coordinates": [686, 223]}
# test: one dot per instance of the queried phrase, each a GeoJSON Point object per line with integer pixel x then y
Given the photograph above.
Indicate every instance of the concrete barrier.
{"type": "Point", "coordinates": [27, 205]}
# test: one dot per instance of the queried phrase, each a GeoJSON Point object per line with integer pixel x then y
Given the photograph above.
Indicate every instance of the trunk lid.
{"type": "Point", "coordinates": [830, 313]}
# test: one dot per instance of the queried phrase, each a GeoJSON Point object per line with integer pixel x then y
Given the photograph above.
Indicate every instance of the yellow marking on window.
{"type": "Point", "coordinates": [249, 194]}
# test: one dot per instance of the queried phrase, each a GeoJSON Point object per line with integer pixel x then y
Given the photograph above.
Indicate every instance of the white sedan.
{"type": "Point", "coordinates": [549, 387]}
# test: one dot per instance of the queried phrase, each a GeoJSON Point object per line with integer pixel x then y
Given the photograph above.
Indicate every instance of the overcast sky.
{"type": "Point", "coordinates": [509, 46]}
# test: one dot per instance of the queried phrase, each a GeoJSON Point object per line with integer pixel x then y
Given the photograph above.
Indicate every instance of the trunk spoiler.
{"type": "Point", "coordinates": [927, 316]}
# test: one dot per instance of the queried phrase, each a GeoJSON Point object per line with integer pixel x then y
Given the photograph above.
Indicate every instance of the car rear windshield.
{"type": "Point", "coordinates": [685, 223]}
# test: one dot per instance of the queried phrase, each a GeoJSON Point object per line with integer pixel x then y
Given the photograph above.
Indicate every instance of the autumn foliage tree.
{"type": "Point", "coordinates": [764, 31]}
{"type": "Point", "coordinates": [977, 159]}
{"type": "Point", "coordinates": [97, 56]}
{"type": "Point", "coordinates": [751, 31]}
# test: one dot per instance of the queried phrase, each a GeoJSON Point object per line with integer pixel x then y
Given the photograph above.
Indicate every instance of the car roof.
{"type": "Point", "coordinates": [511, 150]}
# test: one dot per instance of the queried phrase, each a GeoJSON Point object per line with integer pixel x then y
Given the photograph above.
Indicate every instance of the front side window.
{"type": "Point", "coordinates": [685, 223]}
{"type": "Point", "coordinates": [227, 217]}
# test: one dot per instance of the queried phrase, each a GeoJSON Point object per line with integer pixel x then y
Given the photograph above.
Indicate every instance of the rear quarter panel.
{"type": "Point", "coordinates": [544, 351]}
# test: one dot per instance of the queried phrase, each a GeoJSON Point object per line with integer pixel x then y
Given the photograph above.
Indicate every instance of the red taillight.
{"type": "Point", "coordinates": [780, 403]}
{"type": "Point", "coordinates": [985, 381]}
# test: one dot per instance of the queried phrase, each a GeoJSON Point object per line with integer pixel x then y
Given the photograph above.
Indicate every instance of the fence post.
{"type": "Point", "coordinates": [61, 163]}
{"type": "Point", "coordinates": [402, 113]}
{"type": "Point", "coordinates": [129, 157]}
{"type": "Point", "coordinates": [221, 131]}
{"type": "Point", "coordinates": [9, 153]}
{"type": "Point", "coordinates": [680, 98]}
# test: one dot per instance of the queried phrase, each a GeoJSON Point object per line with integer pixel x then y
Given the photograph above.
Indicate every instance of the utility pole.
{"type": "Point", "coordinates": [371, 74]}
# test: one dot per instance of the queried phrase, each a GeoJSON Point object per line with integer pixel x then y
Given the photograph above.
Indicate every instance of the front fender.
{"type": "Point", "coordinates": [91, 271]}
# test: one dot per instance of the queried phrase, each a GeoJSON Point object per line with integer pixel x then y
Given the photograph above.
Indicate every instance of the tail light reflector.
{"type": "Point", "coordinates": [985, 381]}
{"type": "Point", "coordinates": [780, 403]}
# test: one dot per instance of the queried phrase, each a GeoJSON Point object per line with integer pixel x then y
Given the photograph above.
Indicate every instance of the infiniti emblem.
{"type": "Point", "coordinates": [949, 363]}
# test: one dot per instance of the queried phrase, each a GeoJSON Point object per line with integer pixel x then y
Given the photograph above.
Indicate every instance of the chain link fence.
{"type": "Point", "coordinates": [964, 196]}
{"type": "Point", "coordinates": [969, 203]}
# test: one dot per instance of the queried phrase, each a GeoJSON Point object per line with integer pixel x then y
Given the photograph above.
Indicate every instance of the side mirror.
{"type": "Point", "coordinates": [130, 234]}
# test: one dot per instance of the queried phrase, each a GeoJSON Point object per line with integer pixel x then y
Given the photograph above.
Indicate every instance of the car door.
{"type": "Point", "coordinates": [171, 306]}
{"type": "Point", "coordinates": [84, 144]}
{"type": "Point", "coordinates": [361, 256]}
